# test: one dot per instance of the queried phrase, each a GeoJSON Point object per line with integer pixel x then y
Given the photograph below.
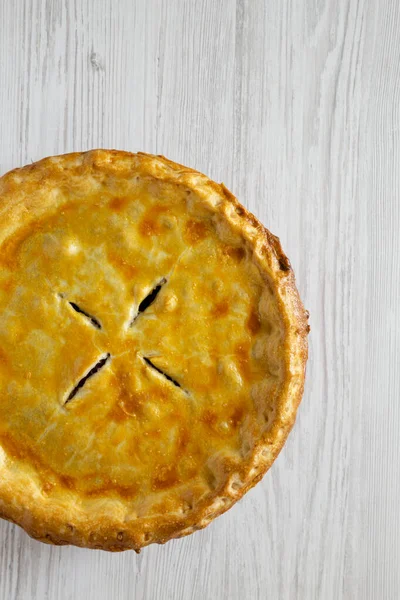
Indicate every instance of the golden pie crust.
{"type": "Point", "coordinates": [152, 349]}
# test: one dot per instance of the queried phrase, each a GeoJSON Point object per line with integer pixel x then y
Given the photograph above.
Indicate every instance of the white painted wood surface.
{"type": "Point", "coordinates": [295, 105]}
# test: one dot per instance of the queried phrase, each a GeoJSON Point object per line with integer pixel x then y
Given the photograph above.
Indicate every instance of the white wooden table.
{"type": "Point", "coordinates": [295, 105]}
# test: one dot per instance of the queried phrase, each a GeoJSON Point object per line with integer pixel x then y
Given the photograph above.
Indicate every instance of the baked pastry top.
{"type": "Point", "coordinates": [152, 349]}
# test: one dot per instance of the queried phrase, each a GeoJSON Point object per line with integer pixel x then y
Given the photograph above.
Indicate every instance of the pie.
{"type": "Point", "coordinates": [152, 349]}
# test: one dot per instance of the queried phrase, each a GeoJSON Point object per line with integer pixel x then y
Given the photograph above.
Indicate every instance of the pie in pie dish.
{"type": "Point", "coordinates": [152, 349]}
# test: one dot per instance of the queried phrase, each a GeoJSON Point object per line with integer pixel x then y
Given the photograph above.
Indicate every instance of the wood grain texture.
{"type": "Point", "coordinates": [295, 106]}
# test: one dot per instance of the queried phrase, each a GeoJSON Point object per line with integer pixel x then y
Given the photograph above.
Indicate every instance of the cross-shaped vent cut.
{"type": "Point", "coordinates": [93, 370]}
{"type": "Point", "coordinates": [144, 304]}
